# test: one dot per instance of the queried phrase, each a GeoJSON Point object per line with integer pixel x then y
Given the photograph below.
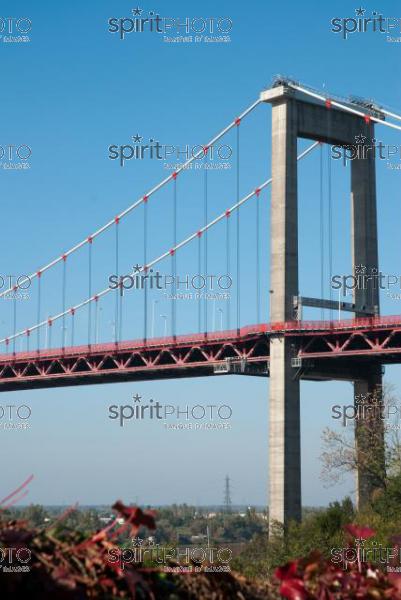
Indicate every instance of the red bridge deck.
{"type": "Point", "coordinates": [373, 338]}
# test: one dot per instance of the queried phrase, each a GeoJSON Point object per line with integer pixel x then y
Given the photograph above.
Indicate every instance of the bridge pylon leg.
{"type": "Point", "coordinates": [284, 401]}
{"type": "Point", "coordinates": [284, 436]}
{"type": "Point", "coordinates": [369, 437]}
{"type": "Point", "coordinates": [369, 429]}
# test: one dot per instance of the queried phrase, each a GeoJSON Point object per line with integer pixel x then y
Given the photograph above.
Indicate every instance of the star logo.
{"type": "Point", "coordinates": [360, 139]}
{"type": "Point", "coordinates": [137, 397]}
{"type": "Point", "coordinates": [360, 269]}
{"type": "Point", "coordinates": [360, 12]}
{"type": "Point", "coordinates": [360, 398]}
{"type": "Point", "coordinates": [137, 268]}
{"type": "Point", "coordinates": [137, 11]}
{"type": "Point", "coordinates": [136, 542]}
{"type": "Point", "coordinates": [359, 541]}
{"type": "Point", "coordinates": [136, 138]}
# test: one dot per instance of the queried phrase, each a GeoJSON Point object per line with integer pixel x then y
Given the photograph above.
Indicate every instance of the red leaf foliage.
{"type": "Point", "coordinates": [358, 531]}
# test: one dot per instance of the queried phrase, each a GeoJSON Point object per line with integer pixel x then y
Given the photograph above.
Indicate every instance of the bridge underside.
{"type": "Point", "coordinates": [340, 353]}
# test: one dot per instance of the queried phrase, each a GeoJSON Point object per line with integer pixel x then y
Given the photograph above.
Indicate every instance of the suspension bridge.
{"type": "Point", "coordinates": [35, 352]}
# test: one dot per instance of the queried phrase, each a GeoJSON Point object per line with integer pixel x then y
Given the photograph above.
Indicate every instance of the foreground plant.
{"type": "Point", "coordinates": [316, 578]}
{"type": "Point", "coordinates": [65, 565]}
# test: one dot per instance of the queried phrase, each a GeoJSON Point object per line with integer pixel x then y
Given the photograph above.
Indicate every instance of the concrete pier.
{"type": "Point", "coordinates": [295, 114]}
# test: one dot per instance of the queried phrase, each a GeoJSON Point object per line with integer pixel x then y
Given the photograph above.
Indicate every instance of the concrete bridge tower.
{"type": "Point", "coordinates": [296, 114]}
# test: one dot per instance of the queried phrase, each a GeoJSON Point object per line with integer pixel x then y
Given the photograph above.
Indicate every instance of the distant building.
{"type": "Point", "coordinates": [198, 538]}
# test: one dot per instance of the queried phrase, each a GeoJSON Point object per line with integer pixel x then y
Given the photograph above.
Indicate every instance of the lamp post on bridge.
{"type": "Point", "coordinates": [63, 335]}
{"type": "Point", "coordinates": [47, 333]}
{"type": "Point", "coordinates": [165, 324]}
{"type": "Point", "coordinates": [220, 310]}
{"type": "Point", "coordinates": [98, 310]}
{"type": "Point", "coordinates": [113, 330]}
{"type": "Point", "coordinates": [152, 327]}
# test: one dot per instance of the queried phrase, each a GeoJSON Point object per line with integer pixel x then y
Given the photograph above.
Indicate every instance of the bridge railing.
{"type": "Point", "coordinates": [343, 324]}
{"type": "Point", "coordinates": [133, 345]}
{"type": "Point", "coordinates": [205, 338]}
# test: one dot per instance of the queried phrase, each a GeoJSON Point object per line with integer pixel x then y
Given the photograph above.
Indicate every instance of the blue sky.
{"type": "Point", "coordinates": [70, 93]}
